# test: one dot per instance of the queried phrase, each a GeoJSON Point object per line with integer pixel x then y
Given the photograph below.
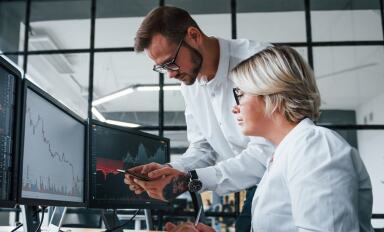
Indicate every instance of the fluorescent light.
{"type": "Point", "coordinates": [97, 114]}
{"type": "Point", "coordinates": [101, 118]}
{"type": "Point", "coordinates": [134, 88]}
{"type": "Point", "coordinates": [157, 88]}
{"type": "Point", "coordinates": [172, 87]}
{"type": "Point", "coordinates": [113, 96]}
{"type": "Point", "coordinates": [148, 88]}
{"type": "Point", "coordinates": [119, 123]}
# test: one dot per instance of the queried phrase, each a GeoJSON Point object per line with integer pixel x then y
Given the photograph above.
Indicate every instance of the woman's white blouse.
{"type": "Point", "coordinates": [315, 181]}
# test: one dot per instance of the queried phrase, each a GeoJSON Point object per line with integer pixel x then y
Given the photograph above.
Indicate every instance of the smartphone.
{"type": "Point", "coordinates": [135, 174]}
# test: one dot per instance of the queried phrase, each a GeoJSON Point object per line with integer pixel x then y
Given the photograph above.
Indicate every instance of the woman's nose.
{"type": "Point", "coordinates": [236, 109]}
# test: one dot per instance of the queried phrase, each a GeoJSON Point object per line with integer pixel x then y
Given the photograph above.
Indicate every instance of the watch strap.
{"type": "Point", "coordinates": [193, 174]}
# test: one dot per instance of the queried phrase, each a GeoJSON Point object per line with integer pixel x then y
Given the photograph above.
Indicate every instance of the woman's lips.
{"type": "Point", "coordinates": [240, 121]}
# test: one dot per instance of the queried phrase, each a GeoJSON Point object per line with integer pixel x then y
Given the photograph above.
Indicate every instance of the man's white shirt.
{"type": "Point", "coordinates": [218, 150]}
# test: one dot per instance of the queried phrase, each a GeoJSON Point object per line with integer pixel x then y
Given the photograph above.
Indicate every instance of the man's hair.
{"type": "Point", "coordinates": [170, 22]}
{"type": "Point", "coordinates": [284, 79]}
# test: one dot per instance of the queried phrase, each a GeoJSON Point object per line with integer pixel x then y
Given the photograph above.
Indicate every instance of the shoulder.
{"type": "Point", "coordinates": [241, 49]}
{"type": "Point", "coordinates": [318, 148]}
{"type": "Point", "coordinates": [245, 48]}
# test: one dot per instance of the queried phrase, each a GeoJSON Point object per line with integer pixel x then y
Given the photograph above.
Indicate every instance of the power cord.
{"type": "Point", "coordinates": [42, 217]}
{"type": "Point", "coordinates": [18, 225]}
{"type": "Point", "coordinates": [124, 224]}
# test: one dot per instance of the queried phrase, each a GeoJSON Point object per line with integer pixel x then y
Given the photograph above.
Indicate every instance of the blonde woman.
{"type": "Point", "coordinates": [315, 181]}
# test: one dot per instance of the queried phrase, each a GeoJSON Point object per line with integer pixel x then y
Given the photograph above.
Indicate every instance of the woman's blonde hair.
{"type": "Point", "coordinates": [284, 79]}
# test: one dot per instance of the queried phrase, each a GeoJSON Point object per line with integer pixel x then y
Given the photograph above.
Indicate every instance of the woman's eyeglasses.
{"type": "Point", "coordinates": [237, 93]}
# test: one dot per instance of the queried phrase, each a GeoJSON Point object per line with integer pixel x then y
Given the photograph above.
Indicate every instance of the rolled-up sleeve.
{"type": "Point", "coordinates": [240, 172]}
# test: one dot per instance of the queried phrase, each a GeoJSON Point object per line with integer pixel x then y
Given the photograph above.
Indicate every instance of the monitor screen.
{"type": "Point", "coordinates": [53, 159]}
{"type": "Point", "coordinates": [115, 148]}
{"type": "Point", "coordinates": [9, 92]}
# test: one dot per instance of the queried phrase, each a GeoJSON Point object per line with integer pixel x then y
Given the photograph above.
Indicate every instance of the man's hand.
{"type": "Point", "coordinates": [188, 227]}
{"type": "Point", "coordinates": [143, 169]}
{"type": "Point", "coordinates": [166, 184]}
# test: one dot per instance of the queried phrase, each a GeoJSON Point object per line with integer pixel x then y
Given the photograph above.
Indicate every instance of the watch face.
{"type": "Point", "coordinates": [195, 185]}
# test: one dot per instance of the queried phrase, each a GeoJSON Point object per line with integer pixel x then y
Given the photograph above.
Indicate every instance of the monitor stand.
{"type": "Point", "coordinates": [111, 220]}
{"type": "Point", "coordinates": [31, 218]}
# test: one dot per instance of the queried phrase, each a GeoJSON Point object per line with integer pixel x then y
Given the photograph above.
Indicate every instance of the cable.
{"type": "Point", "coordinates": [18, 225]}
{"type": "Point", "coordinates": [124, 224]}
{"type": "Point", "coordinates": [42, 218]}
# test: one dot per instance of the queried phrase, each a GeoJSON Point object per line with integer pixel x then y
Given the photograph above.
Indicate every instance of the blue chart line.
{"type": "Point", "coordinates": [49, 186]}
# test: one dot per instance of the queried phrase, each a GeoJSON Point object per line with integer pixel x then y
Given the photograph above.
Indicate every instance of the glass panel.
{"type": "Point", "coordinates": [351, 78]}
{"type": "Point", "coordinates": [117, 21]}
{"type": "Point", "coordinates": [64, 76]}
{"type": "Point", "coordinates": [207, 14]}
{"type": "Point", "coordinates": [303, 51]}
{"type": "Point", "coordinates": [174, 107]}
{"type": "Point", "coordinates": [126, 88]}
{"type": "Point", "coordinates": [12, 18]}
{"type": "Point", "coordinates": [59, 25]}
{"type": "Point", "coordinates": [346, 20]}
{"type": "Point", "coordinates": [271, 21]}
{"type": "Point", "coordinates": [179, 143]}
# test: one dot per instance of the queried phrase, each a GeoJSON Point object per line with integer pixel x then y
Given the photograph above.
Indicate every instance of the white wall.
{"type": "Point", "coordinates": [371, 148]}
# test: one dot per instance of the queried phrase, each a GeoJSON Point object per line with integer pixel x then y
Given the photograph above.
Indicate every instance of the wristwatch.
{"type": "Point", "coordinates": [194, 184]}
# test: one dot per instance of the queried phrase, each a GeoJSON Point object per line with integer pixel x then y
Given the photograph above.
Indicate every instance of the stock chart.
{"type": "Point", "coordinates": [53, 160]}
{"type": "Point", "coordinates": [114, 149]}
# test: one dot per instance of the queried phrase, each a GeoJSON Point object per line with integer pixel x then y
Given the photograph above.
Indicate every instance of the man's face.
{"type": "Point", "coordinates": [188, 59]}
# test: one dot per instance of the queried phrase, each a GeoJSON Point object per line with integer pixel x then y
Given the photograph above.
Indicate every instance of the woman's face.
{"type": "Point", "coordinates": [250, 114]}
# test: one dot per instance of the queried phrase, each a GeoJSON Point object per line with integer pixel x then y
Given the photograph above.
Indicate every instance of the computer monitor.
{"type": "Point", "coordinates": [112, 148]}
{"type": "Point", "coordinates": [10, 86]}
{"type": "Point", "coordinates": [53, 148]}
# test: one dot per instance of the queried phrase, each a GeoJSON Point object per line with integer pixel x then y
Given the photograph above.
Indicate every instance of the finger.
{"type": "Point", "coordinates": [128, 181]}
{"type": "Point", "coordinates": [169, 226]}
{"type": "Point", "coordinates": [150, 167]}
{"type": "Point", "coordinates": [204, 228]}
{"type": "Point", "coordinates": [165, 171]}
{"type": "Point", "coordinates": [139, 191]}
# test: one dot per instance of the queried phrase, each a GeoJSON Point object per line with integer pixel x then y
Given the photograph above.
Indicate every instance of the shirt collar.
{"type": "Point", "coordinates": [222, 69]}
{"type": "Point", "coordinates": [287, 140]}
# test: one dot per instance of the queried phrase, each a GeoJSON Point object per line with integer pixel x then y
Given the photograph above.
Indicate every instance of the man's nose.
{"type": "Point", "coordinates": [172, 74]}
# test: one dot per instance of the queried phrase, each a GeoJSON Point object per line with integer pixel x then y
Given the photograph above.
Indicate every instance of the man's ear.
{"type": "Point", "coordinates": [193, 36]}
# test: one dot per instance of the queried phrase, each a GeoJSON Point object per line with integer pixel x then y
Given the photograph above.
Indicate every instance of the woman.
{"type": "Point", "coordinates": [314, 181]}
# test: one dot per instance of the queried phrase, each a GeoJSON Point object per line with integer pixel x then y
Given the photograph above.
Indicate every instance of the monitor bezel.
{"type": "Point", "coordinates": [34, 201]}
{"type": "Point", "coordinates": [13, 69]}
{"type": "Point", "coordinates": [114, 204]}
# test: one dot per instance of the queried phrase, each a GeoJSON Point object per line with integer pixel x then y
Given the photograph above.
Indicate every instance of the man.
{"type": "Point", "coordinates": [218, 149]}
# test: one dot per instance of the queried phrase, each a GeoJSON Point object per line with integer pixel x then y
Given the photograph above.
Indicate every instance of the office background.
{"type": "Point", "coordinates": [81, 51]}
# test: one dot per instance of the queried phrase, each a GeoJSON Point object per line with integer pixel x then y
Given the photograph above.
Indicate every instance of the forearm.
{"type": "Point", "coordinates": [237, 173]}
{"type": "Point", "coordinates": [177, 186]}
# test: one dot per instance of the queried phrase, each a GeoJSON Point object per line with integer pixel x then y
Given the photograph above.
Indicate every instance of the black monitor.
{"type": "Point", "coordinates": [53, 148]}
{"type": "Point", "coordinates": [112, 148]}
{"type": "Point", "coordinates": [10, 81]}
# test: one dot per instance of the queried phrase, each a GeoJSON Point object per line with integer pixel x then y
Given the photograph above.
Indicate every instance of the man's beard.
{"type": "Point", "coordinates": [197, 60]}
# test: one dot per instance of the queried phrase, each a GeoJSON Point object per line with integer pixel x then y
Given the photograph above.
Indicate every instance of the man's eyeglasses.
{"type": "Point", "coordinates": [171, 65]}
{"type": "Point", "coordinates": [237, 93]}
